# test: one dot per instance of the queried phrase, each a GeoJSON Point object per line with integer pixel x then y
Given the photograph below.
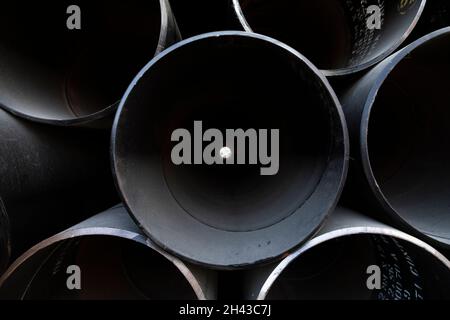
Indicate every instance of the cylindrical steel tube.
{"type": "Point", "coordinates": [50, 179]}
{"type": "Point", "coordinates": [220, 214]}
{"type": "Point", "coordinates": [344, 260]}
{"type": "Point", "coordinates": [114, 260]}
{"type": "Point", "coordinates": [398, 119]}
{"type": "Point", "coordinates": [55, 74]}
{"type": "Point", "coordinates": [435, 16]}
{"type": "Point", "coordinates": [338, 36]}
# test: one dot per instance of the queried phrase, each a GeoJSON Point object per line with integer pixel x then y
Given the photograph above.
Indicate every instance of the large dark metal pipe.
{"type": "Point", "coordinates": [195, 17]}
{"type": "Point", "coordinates": [50, 73]}
{"type": "Point", "coordinates": [398, 119]}
{"type": "Point", "coordinates": [334, 34]}
{"type": "Point", "coordinates": [435, 16]}
{"type": "Point", "coordinates": [224, 215]}
{"type": "Point", "coordinates": [50, 179]}
{"type": "Point", "coordinates": [116, 262]}
{"type": "Point", "coordinates": [339, 261]}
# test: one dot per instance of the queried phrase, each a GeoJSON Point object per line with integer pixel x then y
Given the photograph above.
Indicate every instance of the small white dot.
{"type": "Point", "coordinates": [225, 153]}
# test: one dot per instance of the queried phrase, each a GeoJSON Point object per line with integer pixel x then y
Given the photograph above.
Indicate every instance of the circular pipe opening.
{"type": "Point", "coordinates": [408, 137]}
{"type": "Point", "coordinates": [407, 271]}
{"type": "Point", "coordinates": [110, 269]}
{"type": "Point", "coordinates": [333, 34]}
{"type": "Point", "coordinates": [51, 73]}
{"type": "Point", "coordinates": [230, 81]}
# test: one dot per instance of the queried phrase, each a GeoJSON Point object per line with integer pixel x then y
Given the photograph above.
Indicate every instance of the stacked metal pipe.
{"type": "Point", "coordinates": [356, 179]}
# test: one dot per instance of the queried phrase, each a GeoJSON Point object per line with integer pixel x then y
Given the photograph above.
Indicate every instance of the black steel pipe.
{"type": "Point", "coordinates": [398, 121]}
{"type": "Point", "coordinates": [333, 34]}
{"type": "Point", "coordinates": [435, 16]}
{"type": "Point", "coordinates": [115, 262]}
{"type": "Point", "coordinates": [53, 74]}
{"type": "Point", "coordinates": [222, 215]}
{"type": "Point", "coordinates": [50, 179]}
{"type": "Point", "coordinates": [195, 17]}
{"type": "Point", "coordinates": [338, 262]}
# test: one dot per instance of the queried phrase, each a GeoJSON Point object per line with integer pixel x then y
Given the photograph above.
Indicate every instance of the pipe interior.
{"type": "Point", "coordinates": [198, 17]}
{"type": "Point", "coordinates": [51, 72]}
{"type": "Point", "coordinates": [407, 272]}
{"type": "Point", "coordinates": [332, 33]}
{"type": "Point", "coordinates": [409, 138]}
{"type": "Point", "coordinates": [436, 15]}
{"type": "Point", "coordinates": [228, 82]}
{"type": "Point", "coordinates": [111, 269]}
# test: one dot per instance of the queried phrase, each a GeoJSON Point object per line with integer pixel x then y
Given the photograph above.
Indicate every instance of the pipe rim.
{"type": "Point", "coordinates": [242, 263]}
{"type": "Point", "coordinates": [391, 64]}
{"type": "Point", "coordinates": [347, 232]}
{"type": "Point", "coordinates": [352, 69]}
{"type": "Point", "coordinates": [109, 232]}
{"type": "Point", "coordinates": [110, 109]}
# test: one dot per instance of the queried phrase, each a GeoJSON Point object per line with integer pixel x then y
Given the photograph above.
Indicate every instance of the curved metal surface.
{"type": "Point", "coordinates": [333, 34]}
{"type": "Point", "coordinates": [77, 77]}
{"type": "Point", "coordinates": [23, 278]}
{"type": "Point", "coordinates": [203, 16]}
{"type": "Point", "coordinates": [410, 268]}
{"type": "Point", "coordinates": [397, 121]}
{"type": "Point", "coordinates": [5, 245]}
{"type": "Point", "coordinates": [217, 76]}
{"type": "Point", "coordinates": [51, 178]}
